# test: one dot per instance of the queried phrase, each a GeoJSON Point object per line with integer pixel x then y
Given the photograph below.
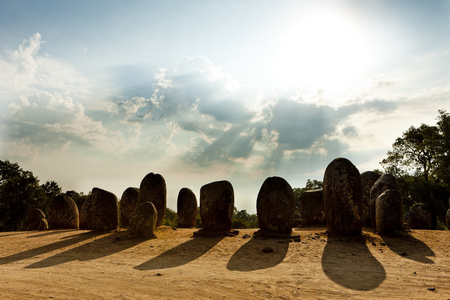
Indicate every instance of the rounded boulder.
{"type": "Point", "coordinates": [216, 206]}
{"type": "Point", "coordinates": [34, 220]}
{"type": "Point", "coordinates": [342, 197]}
{"type": "Point", "coordinates": [143, 220]}
{"type": "Point", "coordinates": [153, 189]}
{"type": "Point", "coordinates": [62, 213]}
{"type": "Point", "coordinates": [419, 216]}
{"type": "Point", "coordinates": [384, 183]}
{"type": "Point", "coordinates": [186, 208]}
{"type": "Point", "coordinates": [100, 211]}
{"type": "Point", "coordinates": [128, 203]}
{"type": "Point", "coordinates": [389, 211]}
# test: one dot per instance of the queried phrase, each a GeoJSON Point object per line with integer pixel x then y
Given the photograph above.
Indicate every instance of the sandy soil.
{"type": "Point", "coordinates": [69, 264]}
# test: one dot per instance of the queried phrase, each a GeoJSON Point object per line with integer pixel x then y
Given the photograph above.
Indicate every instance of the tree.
{"type": "Point", "coordinates": [170, 218]}
{"type": "Point", "coordinates": [242, 219]}
{"type": "Point", "coordinates": [19, 193]}
{"type": "Point", "coordinates": [79, 198]}
{"type": "Point", "coordinates": [51, 189]}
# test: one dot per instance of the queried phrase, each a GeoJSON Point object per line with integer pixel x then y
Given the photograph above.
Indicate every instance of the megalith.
{"type": "Point", "coordinates": [216, 206]}
{"type": "Point", "coordinates": [275, 206]}
{"type": "Point", "coordinates": [419, 216]}
{"type": "Point", "coordinates": [127, 205]}
{"type": "Point", "coordinates": [342, 197]}
{"type": "Point", "coordinates": [100, 211]}
{"type": "Point", "coordinates": [367, 181]}
{"type": "Point", "coordinates": [143, 220]}
{"type": "Point", "coordinates": [186, 208]}
{"type": "Point", "coordinates": [153, 189]}
{"type": "Point", "coordinates": [448, 218]}
{"type": "Point", "coordinates": [384, 183]}
{"type": "Point", "coordinates": [311, 209]}
{"type": "Point", "coordinates": [36, 220]}
{"type": "Point", "coordinates": [389, 211]}
{"type": "Point", "coordinates": [62, 213]}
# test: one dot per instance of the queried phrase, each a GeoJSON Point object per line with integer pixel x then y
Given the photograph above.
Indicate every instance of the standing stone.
{"type": "Point", "coordinates": [275, 206]}
{"type": "Point", "coordinates": [367, 180]}
{"type": "Point", "coordinates": [153, 189]}
{"type": "Point", "coordinates": [62, 213]}
{"type": "Point", "coordinates": [448, 218]}
{"type": "Point", "coordinates": [100, 211]}
{"type": "Point", "coordinates": [128, 203]}
{"type": "Point", "coordinates": [384, 183]}
{"type": "Point", "coordinates": [311, 209]}
{"type": "Point", "coordinates": [342, 198]}
{"type": "Point", "coordinates": [143, 220]}
{"type": "Point", "coordinates": [34, 220]}
{"type": "Point", "coordinates": [216, 206]}
{"type": "Point", "coordinates": [419, 216]}
{"type": "Point", "coordinates": [186, 208]}
{"type": "Point", "coordinates": [389, 211]}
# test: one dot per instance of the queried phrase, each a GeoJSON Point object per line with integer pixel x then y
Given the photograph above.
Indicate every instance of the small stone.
{"type": "Point", "coordinates": [158, 274]}
{"type": "Point", "coordinates": [404, 254]}
{"type": "Point", "coordinates": [246, 236]}
{"type": "Point", "coordinates": [268, 250]}
{"type": "Point", "coordinates": [297, 239]}
{"type": "Point", "coordinates": [432, 289]}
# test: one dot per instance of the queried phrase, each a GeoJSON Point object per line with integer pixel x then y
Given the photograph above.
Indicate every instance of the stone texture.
{"type": "Point", "coordinates": [216, 206]}
{"type": "Point", "coordinates": [311, 209]}
{"type": "Point", "coordinates": [419, 216]}
{"type": "Point", "coordinates": [62, 213]}
{"type": "Point", "coordinates": [143, 220]}
{"type": "Point", "coordinates": [100, 211]}
{"type": "Point", "coordinates": [186, 208]}
{"type": "Point", "coordinates": [384, 183]}
{"type": "Point", "coordinates": [389, 211]}
{"type": "Point", "coordinates": [342, 198]}
{"type": "Point", "coordinates": [367, 181]}
{"type": "Point", "coordinates": [127, 204]}
{"type": "Point", "coordinates": [448, 218]}
{"type": "Point", "coordinates": [34, 219]}
{"type": "Point", "coordinates": [275, 206]}
{"type": "Point", "coordinates": [153, 189]}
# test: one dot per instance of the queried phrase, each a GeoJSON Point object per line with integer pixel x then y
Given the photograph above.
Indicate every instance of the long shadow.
{"type": "Point", "coordinates": [250, 256]}
{"type": "Point", "coordinates": [181, 254]}
{"type": "Point", "coordinates": [71, 240]}
{"type": "Point", "coordinates": [408, 246]}
{"type": "Point", "coordinates": [98, 248]}
{"type": "Point", "coordinates": [349, 262]}
{"type": "Point", "coordinates": [51, 233]}
{"type": "Point", "coordinates": [12, 234]}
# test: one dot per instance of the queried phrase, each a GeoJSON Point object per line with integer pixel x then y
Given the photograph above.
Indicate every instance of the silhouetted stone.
{"type": "Point", "coordinates": [311, 209]}
{"type": "Point", "coordinates": [384, 183]}
{"type": "Point", "coordinates": [100, 211]}
{"type": "Point", "coordinates": [127, 204]}
{"type": "Point", "coordinates": [34, 219]}
{"type": "Point", "coordinates": [448, 218]}
{"type": "Point", "coordinates": [186, 208]}
{"type": "Point", "coordinates": [275, 207]}
{"type": "Point", "coordinates": [342, 198]}
{"type": "Point", "coordinates": [389, 211]}
{"type": "Point", "coordinates": [62, 213]}
{"type": "Point", "coordinates": [216, 206]}
{"type": "Point", "coordinates": [153, 189]}
{"type": "Point", "coordinates": [43, 225]}
{"type": "Point", "coordinates": [143, 220]}
{"type": "Point", "coordinates": [367, 181]}
{"type": "Point", "coordinates": [419, 216]}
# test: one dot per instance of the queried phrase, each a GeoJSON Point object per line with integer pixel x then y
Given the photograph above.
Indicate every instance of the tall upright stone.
{"type": "Point", "coordinates": [186, 208]}
{"type": "Point", "coordinates": [311, 209]}
{"type": "Point", "coordinates": [100, 211]}
{"type": "Point", "coordinates": [448, 218]}
{"type": "Point", "coordinates": [128, 203]}
{"type": "Point", "coordinates": [153, 189]}
{"type": "Point", "coordinates": [384, 183]}
{"type": "Point", "coordinates": [389, 211]}
{"type": "Point", "coordinates": [275, 206]}
{"type": "Point", "coordinates": [419, 216]}
{"type": "Point", "coordinates": [62, 213]}
{"type": "Point", "coordinates": [367, 181]}
{"type": "Point", "coordinates": [216, 206]}
{"type": "Point", "coordinates": [143, 220]}
{"type": "Point", "coordinates": [342, 198]}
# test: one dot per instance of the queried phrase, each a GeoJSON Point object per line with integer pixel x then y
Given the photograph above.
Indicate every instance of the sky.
{"type": "Point", "coordinates": [101, 93]}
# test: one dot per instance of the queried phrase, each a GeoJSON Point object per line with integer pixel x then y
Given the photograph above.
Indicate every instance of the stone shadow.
{"type": "Point", "coordinates": [67, 241]}
{"type": "Point", "coordinates": [51, 233]}
{"type": "Point", "coordinates": [407, 246]}
{"type": "Point", "coordinates": [250, 257]}
{"type": "Point", "coordinates": [98, 248]}
{"type": "Point", "coordinates": [348, 262]}
{"type": "Point", "coordinates": [181, 254]}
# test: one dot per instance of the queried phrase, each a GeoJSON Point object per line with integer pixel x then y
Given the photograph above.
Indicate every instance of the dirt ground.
{"type": "Point", "coordinates": [75, 264]}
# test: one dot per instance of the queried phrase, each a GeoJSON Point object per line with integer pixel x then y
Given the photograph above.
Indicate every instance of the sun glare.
{"type": "Point", "coordinates": [324, 49]}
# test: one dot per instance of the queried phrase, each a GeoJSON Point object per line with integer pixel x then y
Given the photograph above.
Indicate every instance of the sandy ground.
{"type": "Point", "coordinates": [74, 264]}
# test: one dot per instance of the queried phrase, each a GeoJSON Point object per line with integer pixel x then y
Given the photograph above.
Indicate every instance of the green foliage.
{"type": "Point", "coordinates": [420, 161]}
{"type": "Point", "coordinates": [51, 189]}
{"type": "Point", "coordinates": [19, 193]}
{"type": "Point", "coordinates": [242, 219]}
{"type": "Point", "coordinates": [171, 218]}
{"type": "Point", "coordinates": [310, 185]}
{"type": "Point", "coordinates": [198, 219]}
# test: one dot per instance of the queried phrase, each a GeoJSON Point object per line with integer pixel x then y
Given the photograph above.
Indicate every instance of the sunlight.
{"type": "Point", "coordinates": [322, 50]}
